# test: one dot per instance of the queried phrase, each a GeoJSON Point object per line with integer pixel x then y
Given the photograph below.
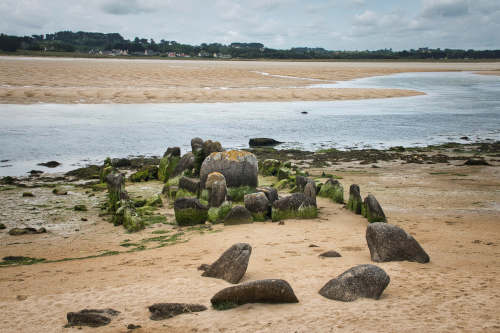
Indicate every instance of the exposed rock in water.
{"type": "Point", "coordinates": [50, 164]}
{"type": "Point", "coordinates": [161, 311]}
{"type": "Point", "coordinates": [388, 242]}
{"type": "Point", "coordinates": [476, 161]}
{"type": "Point", "coordinates": [263, 142]}
{"type": "Point", "coordinates": [355, 201]}
{"type": "Point", "coordinates": [190, 211]}
{"type": "Point", "coordinates": [238, 215]}
{"type": "Point", "coordinates": [258, 205]}
{"type": "Point", "coordinates": [232, 265]}
{"type": "Point", "coordinates": [8, 180]}
{"type": "Point", "coordinates": [88, 172]}
{"type": "Point", "coordinates": [260, 291]}
{"type": "Point", "coordinates": [330, 254]}
{"type": "Point", "coordinates": [240, 168]}
{"type": "Point", "coordinates": [91, 317]}
{"type": "Point", "coordinates": [26, 231]}
{"type": "Point", "coordinates": [372, 210]}
{"type": "Point", "coordinates": [367, 281]}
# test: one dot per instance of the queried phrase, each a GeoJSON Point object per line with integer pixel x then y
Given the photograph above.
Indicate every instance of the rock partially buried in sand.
{"type": "Point", "coordinates": [372, 210]}
{"type": "Point", "coordinates": [240, 168]}
{"type": "Point", "coordinates": [190, 211]}
{"type": "Point", "coordinates": [258, 205]}
{"type": "Point", "coordinates": [91, 317]}
{"type": "Point", "coordinates": [476, 161]}
{"type": "Point", "coordinates": [261, 291]}
{"type": "Point", "coordinates": [232, 265]}
{"type": "Point", "coordinates": [26, 231]}
{"type": "Point", "coordinates": [238, 215]}
{"type": "Point", "coordinates": [367, 281]}
{"type": "Point", "coordinates": [388, 242]}
{"type": "Point", "coordinates": [330, 254]}
{"type": "Point", "coordinates": [355, 202]}
{"type": "Point", "coordinates": [161, 311]}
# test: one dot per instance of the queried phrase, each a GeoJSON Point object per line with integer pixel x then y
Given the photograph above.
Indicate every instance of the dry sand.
{"type": "Point", "coordinates": [451, 210]}
{"type": "Point", "coordinates": [56, 80]}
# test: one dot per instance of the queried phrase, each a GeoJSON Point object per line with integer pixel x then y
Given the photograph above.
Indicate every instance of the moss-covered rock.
{"type": "Point", "coordinates": [332, 189]}
{"type": "Point", "coordinates": [237, 194]}
{"type": "Point", "coordinates": [238, 215]}
{"type": "Point", "coordinates": [116, 190]}
{"type": "Point", "coordinates": [190, 211]}
{"type": "Point", "coordinates": [28, 194]}
{"type": "Point", "coordinates": [80, 208]}
{"type": "Point", "coordinates": [105, 170]}
{"type": "Point", "coordinates": [304, 212]}
{"type": "Point", "coordinates": [149, 172]}
{"type": "Point", "coordinates": [270, 167]}
{"type": "Point", "coordinates": [169, 163]}
{"type": "Point", "coordinates": [355, 202]}
{"type": "Point", "coordinates": [59, 191]}
{"type": "Point", "coordinates": [240, 168]}
{"type": "Point", "coordinates": [154, 201]}
{"type": "Point", "coordinates": [126, 215]}
{"type": "Point", "coordinates": [88, 172]}
{"type": "Point", "coordinates": [284, 173]}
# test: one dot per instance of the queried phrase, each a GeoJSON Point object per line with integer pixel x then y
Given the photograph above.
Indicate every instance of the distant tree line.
{"type": "Point", "coordinates": [95, 42]}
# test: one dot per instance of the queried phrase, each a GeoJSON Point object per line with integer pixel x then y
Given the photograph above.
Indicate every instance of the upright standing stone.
{"type": "Point", "coordinates": [355, 202]}
{"type": "Point", "coordinates": [232, 265]}
{"type": "Point", "coordinates": [372, 211]}
{"type": "Point", "coordinates": [169, 163]}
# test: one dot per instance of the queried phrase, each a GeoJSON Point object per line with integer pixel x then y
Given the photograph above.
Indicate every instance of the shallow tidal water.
{"type": "Point", "coordinates": [456, 104]}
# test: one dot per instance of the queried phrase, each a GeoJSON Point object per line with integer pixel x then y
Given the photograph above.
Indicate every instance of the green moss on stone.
{"type": "Point", "coordinates": [183, 193]}
{"type": "Point", "coordinates": [80, 208]}
{"type": "Point", "coordinates": [167, 167]}
{"type": "Point", "coordinates": [149, 172]}
{"type": "Point", "coordinates": [154, 201]}
{"type": "Point", "coordinates": [237, 194]}
{"type": "Point", "coordinates": [354, 205]}
{"type": "Point", "coordinates": [259, 217]}
{"type": "Point", "coordinates": [309, 212]}
{"type": "Point", "coordinates": [334, 192]}
{"type": "Point", "coordinates": [190, 216]}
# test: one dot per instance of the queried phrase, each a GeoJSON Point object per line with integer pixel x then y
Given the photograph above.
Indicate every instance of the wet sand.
{"type": "Point", "coordinates": [55, 80]}
{"type": "Point", "coordinates": [452, 210]}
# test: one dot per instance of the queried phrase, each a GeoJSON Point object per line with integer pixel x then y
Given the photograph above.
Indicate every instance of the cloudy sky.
{"type": "Point", "coordinates": [332, 24]}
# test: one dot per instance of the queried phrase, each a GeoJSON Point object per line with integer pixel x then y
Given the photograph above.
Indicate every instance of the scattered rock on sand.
{"type": "Point", "coordinates": [28, 194]}
{"type": "Point", "coordinates": [367, 281]}
{"type": "Point", "coordinates": [355, 202]}
{"type": "Point", "coordinates": [133, 326]}
{"type": "Point", "coordinates": [50, 164]}
{"type": "Point", "coordinates": [91, 317]}
{"type": "Point", "coordinates": [388, 242]}
{"type": "Point", "coordinates": [372, 210]}
{"type": "Point", "coordinates": [59, 191]}
{"type": "Point", "coordinates": [476, 161]}
{"type": "Point", "coordinates": [260, 291]}
{"type": "Point", "coordinates": [270, 192]}
{"type": "Point", "coordinates": [238, 215]}
{"type": "Point", "coordinates": [258, 205]}
{"type": "Point", "coordinates": [2, 226]}
{"type": "Point", "coordinates": [26, 231]}
{"type": "Point", "coordinates": [190, 184]}
{"type": "Point", "coordinates": [161, 311]}
{"type": "Point", "coordinates": [232, 265]}
{"type": "Point", "coordinates": [330, 254]}
{"type": "Point", "coordinates": [263, 142]}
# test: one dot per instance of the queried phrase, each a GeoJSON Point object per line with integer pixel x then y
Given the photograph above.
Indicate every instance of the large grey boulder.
{"type": "Point", "coordinates": [261, 291]}
{"type": "Point", "coordinates": [161, 311]}
{"type": "Point", "coordinates": [270, 192]}
{"type": "Point", "coordinates": [91, 317]}
{"type": "Point", "coordinates": [355, 202]}
{"type": "Point", "coordinates": [185, 163]}
{"type": "Point", "coordinates": [240, 168]}
{"type": "Point", "coordinates": [190, 184]}
{"type": "Point", "coordinates": [388, 242]}
{"type": "Point", "coordinates": [372, 210]}
{"type": "Point", "coordinates": [238, 215]}
{"type": "Point", "coordinates": [367, 281]}
{"type": "Point", "coordinates": [232, 265]}
{"type": "Point", "coordinates": [257, 204]}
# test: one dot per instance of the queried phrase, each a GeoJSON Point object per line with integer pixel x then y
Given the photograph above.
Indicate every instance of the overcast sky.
{"type": "Point", "coordinates": [332, 24]}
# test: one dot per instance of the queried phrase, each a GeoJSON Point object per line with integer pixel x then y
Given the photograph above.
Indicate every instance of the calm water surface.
{"type": "Point", "coordinates": [456, 105]}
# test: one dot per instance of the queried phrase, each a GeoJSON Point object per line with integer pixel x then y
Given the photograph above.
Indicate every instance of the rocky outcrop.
{"type": "Point", "coordinates": [50, 164]}
{"type": "Point", "coordinates": [355, 202]}
{"type": "Point", "coordinates": [372, 210]}
{"type": "Point", "coordinates": [238, 215]}
{"type": "Point", "coordinates": [258, 205]}
{"type": "Point", "coordinates": [91, 317]}
{"type": "Point", "coordinates": [239, 168]}
{"type": "Point", "coordinates": [261, 291]}
{"type": "Point", "coordinates": [263, 142]}
{"type": "Point", "coordinates": [186, 163]}
{"type": "Point", "coordinates": [190, 184]}
{"type": "Point", "coordinates": [232, 265]}
{"type": "Point", "coordinates": [160, 311]}
{"type": "Point", "coordinates": [26, 231]}
{"type": "Point", "coordinates": [367, 281]}
{"type": "Point", "coordinates": [296, 205]}
{"type": "Point", "coordinates": [270, 192]}
{"type": "Point", "coordinates": [388, 242]}
{"type": "Point", "coordinates": [190, 211]}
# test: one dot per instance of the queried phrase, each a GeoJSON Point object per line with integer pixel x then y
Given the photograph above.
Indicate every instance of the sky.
{"type": "Point", "coordinates": [331, 24]}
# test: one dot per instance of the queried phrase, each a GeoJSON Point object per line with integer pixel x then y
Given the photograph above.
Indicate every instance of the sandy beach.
{"type": "Point", "coordinates": [451, 209]}
{"type": "Point", "coordinates": [54, 80]}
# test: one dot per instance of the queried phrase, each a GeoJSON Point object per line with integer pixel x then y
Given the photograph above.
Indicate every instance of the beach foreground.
{"type": "Point", "coordinates": [54, 80]}
{"type": "Point", "coordinates": [451, 209]}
